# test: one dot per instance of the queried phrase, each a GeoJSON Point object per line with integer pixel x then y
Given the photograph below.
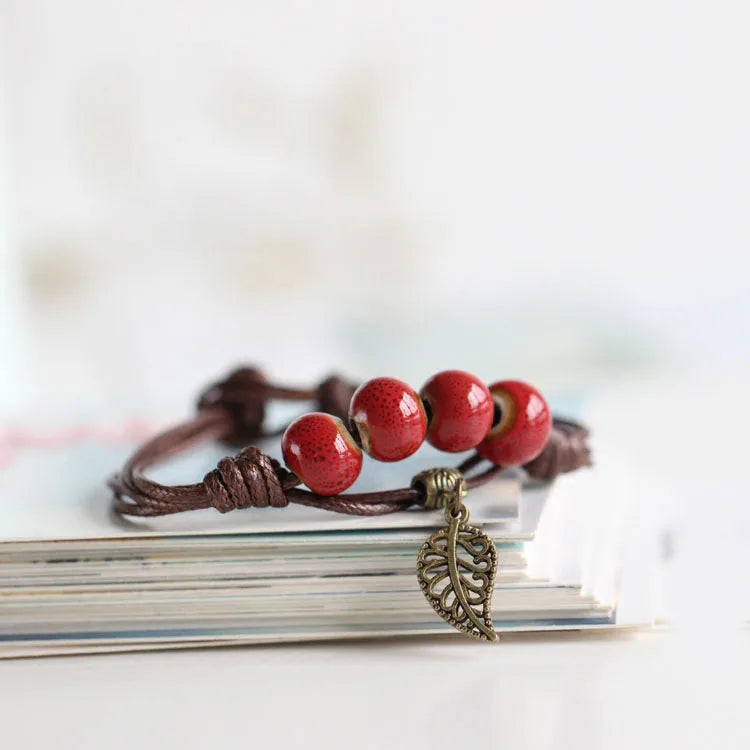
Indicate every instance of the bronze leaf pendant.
{"type": "Point", "coordinates": [456, 569]}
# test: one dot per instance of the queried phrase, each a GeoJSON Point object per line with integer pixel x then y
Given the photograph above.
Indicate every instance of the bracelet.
{"type": "Point", "coordinates": [233, 411]}
{"type": "Point", "coordinates": [507, 424]}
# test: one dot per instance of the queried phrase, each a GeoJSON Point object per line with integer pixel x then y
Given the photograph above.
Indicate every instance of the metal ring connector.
{"type": "Point", "coordinates": [440, 487]}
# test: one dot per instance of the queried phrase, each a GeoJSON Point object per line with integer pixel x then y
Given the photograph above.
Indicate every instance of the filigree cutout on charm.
{"type": "Point", "coordinates": [456, 569]}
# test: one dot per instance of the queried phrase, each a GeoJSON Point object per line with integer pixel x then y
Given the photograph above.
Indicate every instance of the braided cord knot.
{"type": "Point", "coordinates": [567, 450]}
{"type": "Point", "coordinates": [334, 395]}
{"type": "Point", "coordinates": [251, 479]}
{"type": "Point", "coordinates": [243, 395]}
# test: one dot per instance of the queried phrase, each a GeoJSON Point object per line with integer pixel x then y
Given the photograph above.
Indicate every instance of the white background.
{"type": "Point", "coordinates": [556, 192]}
{"type": "Point", "coordinates": [653, 691]}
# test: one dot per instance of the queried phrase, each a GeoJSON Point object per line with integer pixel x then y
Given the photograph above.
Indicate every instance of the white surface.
{"type": "Point", "coordinates": [639, 691]}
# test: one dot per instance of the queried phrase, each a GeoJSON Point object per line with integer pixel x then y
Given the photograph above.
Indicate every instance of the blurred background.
{"type": "Point", "coordinates": [556, 192]}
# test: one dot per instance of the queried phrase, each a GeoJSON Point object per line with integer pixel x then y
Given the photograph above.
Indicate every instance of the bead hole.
{"type": "Point", "coordinates": [497, 415]}
{"type": "Point", "coordinates": [421, 488]}
{"type": "Point", "coordinates": [354, 430]}
{"type": "Point", "coordinates": [427, 410]}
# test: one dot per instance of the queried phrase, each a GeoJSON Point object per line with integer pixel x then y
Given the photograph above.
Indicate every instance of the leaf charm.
{"type": "Point", "coordinates": [456, 569]}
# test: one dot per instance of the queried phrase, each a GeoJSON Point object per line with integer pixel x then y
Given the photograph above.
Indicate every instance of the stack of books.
{"type": "Point", "coordinates": [75, 579]}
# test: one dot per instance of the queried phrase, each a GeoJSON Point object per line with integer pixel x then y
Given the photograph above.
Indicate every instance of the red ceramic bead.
{"type": "Point", "coordinates": [459, 408]}
{"type": "Point", "coordinates": [318, 448]}
{"type": "Point", "coordinates": [521, 426]}
{"type": "Point", "coordinates": [389, 417]}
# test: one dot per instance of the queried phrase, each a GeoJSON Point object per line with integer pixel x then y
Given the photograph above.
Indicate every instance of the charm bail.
{"type": "Point", "coordinates": [439, 487]}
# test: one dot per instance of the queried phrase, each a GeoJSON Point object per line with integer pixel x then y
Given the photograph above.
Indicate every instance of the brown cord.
{"type": "Point", "coordinates": [566, 450]}
{"type": "Point", "coordinates": [232, 410]}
